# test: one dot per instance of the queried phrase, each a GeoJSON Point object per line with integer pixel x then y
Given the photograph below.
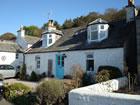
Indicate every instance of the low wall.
{"type": "Point", "coordinates": [102, 94]}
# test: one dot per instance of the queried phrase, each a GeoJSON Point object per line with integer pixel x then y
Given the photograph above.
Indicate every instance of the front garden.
{"type": "Point", "coordinates": [52, 91]}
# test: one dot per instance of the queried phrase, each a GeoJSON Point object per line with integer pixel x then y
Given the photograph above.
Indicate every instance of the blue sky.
{"type": "Point", "coordinates": [14, 13]}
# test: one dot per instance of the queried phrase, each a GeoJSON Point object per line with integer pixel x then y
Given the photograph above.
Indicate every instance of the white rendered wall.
{"type": "Point", "coordinates": [44, 57]}
{"type": "Point", "coordinates": [7, 58]}
{"type": "Point", "coordinates": [102, 94]}
{"type": "Point", "coordinates": [10, 58]}
{"type": "Point", "coordinates": [112, 57]}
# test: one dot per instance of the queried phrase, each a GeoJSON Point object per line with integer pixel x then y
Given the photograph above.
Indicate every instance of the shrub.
{"type": "Point", "coordinates": [77, 75]}
{"type": "Point", "coordinates": [102, 76]}
{"type": "Point", "coordinates": [15, 90]}
{"type": "Point", "coordinates": [43, 75]}
{"type": "Point", "coordinates": [114, 71]}
{"type": "Point", "coordinates": [22, 74]}
{"type": "Point", "coordinates": [107, 72]}
{"type": "Point", "coordinates": [88, 79]}
{"type": "Point", "coordinates": [51, 92]}
{"type": "Point", "coordinates": [27, 99]}
{"type": "Point", "coordinates": [34, 76]}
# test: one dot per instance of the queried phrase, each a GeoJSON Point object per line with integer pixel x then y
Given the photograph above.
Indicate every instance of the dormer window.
{"type": "Point", "coordinates": [97, 30]}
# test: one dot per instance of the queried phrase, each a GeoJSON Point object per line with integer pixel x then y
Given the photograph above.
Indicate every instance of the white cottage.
{"type": "Point", "coordinates": [100, 43]}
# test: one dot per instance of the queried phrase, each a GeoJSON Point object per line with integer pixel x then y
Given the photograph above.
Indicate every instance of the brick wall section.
{"type": "Point", "coordinates": [138, 44]}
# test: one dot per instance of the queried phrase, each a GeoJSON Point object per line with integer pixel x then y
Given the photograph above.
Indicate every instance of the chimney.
{"type": "Point", "coordinates": [51, 25]}
{"type": "Point", "coordinates": [21, 31]}
{"type": "Point", "coordinates": [130, 11]}
{"type": "Point", "coordinates": [130, 2]}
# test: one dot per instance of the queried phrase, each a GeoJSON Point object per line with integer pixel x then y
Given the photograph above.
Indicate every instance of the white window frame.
{"type": "Point", "coordinates": [90, 58]}
{"type": "Point", "coordinates": [96, 28]}
{"type": "Point", "coordinates": [37, 59]}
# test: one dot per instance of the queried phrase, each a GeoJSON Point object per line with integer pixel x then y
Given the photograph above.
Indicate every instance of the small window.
{"type": "Point", "coordinates": [38, 65]}
{"type": "Point", "coordinates": [17, 55]}
{"type": "Point", "coordinates": [50, 41]}
{"type": "Point", "coordinates": [102, 26]}
{"type": "Point", "coordinates": [37, 58]}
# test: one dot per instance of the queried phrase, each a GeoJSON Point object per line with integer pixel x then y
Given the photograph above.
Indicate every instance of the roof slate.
{"type": "Point", "coordinates": [31, 39]}
{"type": "Point", "coordinates": [76, 39]}
{"type": "Point", "coordinates": [9, 47]}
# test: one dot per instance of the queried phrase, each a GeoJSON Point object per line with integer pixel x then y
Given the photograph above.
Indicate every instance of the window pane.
{"type": "Point", "coordinates": [38, 64]}
{"type": "Point", "coordinates": [93, 27]}
{"type": "Point", "coordinates": [102, 26]}
{"type": "Point", "coordinates": [102, 34]}
{"type": "Point", "coordinates": [50, 41]}
{"type": "Point", "coordinates": [94, 35]}
{"type": "Point", "coordinates": [37, 58]}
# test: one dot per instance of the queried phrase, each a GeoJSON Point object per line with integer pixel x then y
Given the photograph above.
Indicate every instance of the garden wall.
{"type": "Point", "coordinates": [102, 94]}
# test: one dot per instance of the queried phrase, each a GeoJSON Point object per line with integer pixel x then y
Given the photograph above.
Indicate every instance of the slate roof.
{"type": "Point", "coordinates": [97, 21]}
{"type": "Point", "coordinates": [31, 39]}
{"type": "Point", "coordinates": [9, 47]}
{"type": "Point", "coordinates": [76, 39]}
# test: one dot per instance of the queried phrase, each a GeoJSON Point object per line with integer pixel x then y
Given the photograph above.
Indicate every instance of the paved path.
{"type": "Point", "coordinates": [4, 102]}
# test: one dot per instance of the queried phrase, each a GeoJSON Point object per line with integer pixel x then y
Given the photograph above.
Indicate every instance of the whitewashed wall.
{"type": "Point", "coordinates": [31, 63]}
{"type": "Point", "coordinates": [113, 57]}
{"type": "Point", "coordinates": [10, 58]}
{"type": "Point", "coordinates": [102, 94]}
{"type": "Point", "coordinates": [7, 58]}
{"type": "Point", "coordinates": [19, 61]}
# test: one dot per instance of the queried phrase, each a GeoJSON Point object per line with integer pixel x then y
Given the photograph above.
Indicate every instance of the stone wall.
{"type": "Point", "coordinates": [138, 43]}
{"type": "Point", "coordinates": [102, 94]}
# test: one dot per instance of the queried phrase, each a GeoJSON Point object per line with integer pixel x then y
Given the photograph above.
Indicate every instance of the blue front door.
{"type": "Point", "coordinates": [59, 66]}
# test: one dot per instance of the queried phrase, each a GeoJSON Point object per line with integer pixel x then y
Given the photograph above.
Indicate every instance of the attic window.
{"type": "Point", "coordinates": [97, 32]}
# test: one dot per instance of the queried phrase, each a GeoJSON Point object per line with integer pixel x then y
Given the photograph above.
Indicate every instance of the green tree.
{"type": "Point", "coordinates": [8, 36]}
{"type": "Point", "coordinates": [67, 24]}
{"type": "Point", "coordinates": [33, 31]}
